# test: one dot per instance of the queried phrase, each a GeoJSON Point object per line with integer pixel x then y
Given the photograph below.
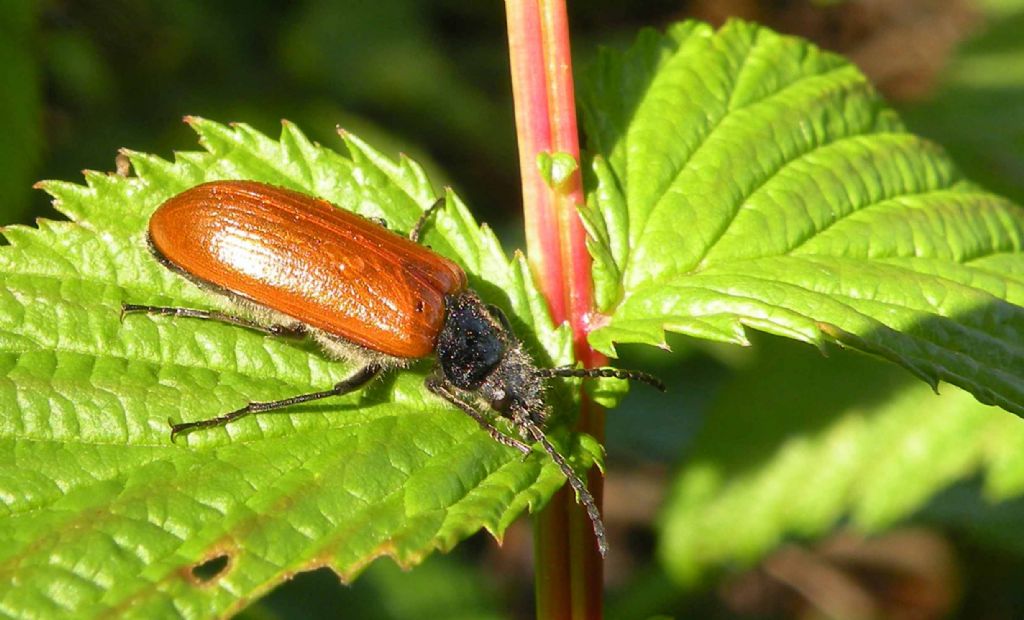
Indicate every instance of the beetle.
{"type": "Point", "coordinates": [297, 266]}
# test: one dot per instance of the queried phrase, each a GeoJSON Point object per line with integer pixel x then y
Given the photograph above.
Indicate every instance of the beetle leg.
{"type": "Point", "coordinates": [290, 331]}
{"type": "Point", "coordinates": [438, 386]}
{"type": "Point", "coordinates": [417, 230]}
{"type": "Point", "coordinates": [363, 376]}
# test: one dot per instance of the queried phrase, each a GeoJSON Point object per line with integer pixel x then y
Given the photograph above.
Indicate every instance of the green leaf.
{"type": "Point", "coordinates": [755, 181]}
{"type": "Point", "coordinates": [103, 515]}
{"type": "Point", "coordinates": [556, 168]}
{"type": "Point", "coordinates": [797, 445]}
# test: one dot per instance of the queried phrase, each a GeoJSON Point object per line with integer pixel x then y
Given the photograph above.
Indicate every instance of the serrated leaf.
{"type": "Point", "coordinates": [762, 183]}
{"type": "Point", "coordinates": [103, 515]}
{"type": "Point", "coordinates": [797, 445]}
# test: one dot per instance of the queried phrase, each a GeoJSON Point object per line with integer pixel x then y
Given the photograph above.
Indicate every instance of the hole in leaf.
{"type": "Point", "coordinates": [206, 572]}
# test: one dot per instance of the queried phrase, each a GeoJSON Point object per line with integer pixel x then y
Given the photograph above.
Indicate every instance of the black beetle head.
{"type": "Point", "coordinates": [478, 352]}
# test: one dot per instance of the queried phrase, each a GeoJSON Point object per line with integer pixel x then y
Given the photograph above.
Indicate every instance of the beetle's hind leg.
{"type": "Point", "coordinates": [288, 331]}
{"type": "Point", "coordinates": [439, 386]}
{"type": "Point", "coordinates": [363, 376]}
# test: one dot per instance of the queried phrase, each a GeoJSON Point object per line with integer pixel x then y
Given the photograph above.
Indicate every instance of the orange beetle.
{"type": "Point", "coordinates": [298, 266]}
{"type": "Point", "coordinates": [307, 259]}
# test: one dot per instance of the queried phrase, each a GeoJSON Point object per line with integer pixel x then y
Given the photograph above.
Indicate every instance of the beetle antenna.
{"type": "Point", "coordinates": [604, 372]}
{"type": "Point", "coordinates": [417, 230]}
{"type": "Point", "coordinates": [575, 481]}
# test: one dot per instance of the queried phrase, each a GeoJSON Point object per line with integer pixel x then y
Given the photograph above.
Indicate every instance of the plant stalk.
{"type": "Point", "coordinates": [569, 569]}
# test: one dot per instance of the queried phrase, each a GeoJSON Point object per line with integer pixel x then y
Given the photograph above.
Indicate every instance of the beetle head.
{"type": "Point", "coordinates": [478, 353]}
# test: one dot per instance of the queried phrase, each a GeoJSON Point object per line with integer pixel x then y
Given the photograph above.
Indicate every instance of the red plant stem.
{"type": "Point", "coordinates": [569, 196]}
{"type": "Point", "coordinates": [569, 569]}
{"type": "Point", "coordinates": [533, 131]}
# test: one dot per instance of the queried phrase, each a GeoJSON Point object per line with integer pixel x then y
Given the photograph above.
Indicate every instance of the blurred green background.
{"type": "Point", "coordinates": [80, 79]}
